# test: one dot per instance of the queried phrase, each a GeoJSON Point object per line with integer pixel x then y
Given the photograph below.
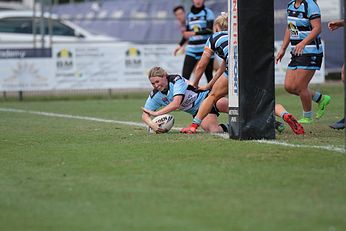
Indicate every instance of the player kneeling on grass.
{"type": "Point", "coordinates": [172, 92]}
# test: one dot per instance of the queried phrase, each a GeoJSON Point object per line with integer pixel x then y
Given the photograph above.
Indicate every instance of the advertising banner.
{"type": "Point", "coordinates": [26, 69]}
{"type": "Point", "coordinates": [110, 66]}
{"type": "Point", "coordinates": [71, 66]}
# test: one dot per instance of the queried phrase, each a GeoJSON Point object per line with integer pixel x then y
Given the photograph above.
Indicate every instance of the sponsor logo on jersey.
{"type": "Point", "coordinates": [293, 30]}
{"type": "Point", "coordinates": [165, 99]}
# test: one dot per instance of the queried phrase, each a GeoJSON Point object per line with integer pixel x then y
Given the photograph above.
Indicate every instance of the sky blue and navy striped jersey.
{"type": "Point", "coordinates": [192, 99]}
{"type": "Point", "coordinates": [218, 43]}
{"type": "Point", "coordinates": [298, 20]}
{"type": "Point", "coordinates": [198, 22]}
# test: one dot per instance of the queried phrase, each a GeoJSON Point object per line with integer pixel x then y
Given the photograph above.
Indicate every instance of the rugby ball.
{"type": "Point", "coordinates": [165, 121]}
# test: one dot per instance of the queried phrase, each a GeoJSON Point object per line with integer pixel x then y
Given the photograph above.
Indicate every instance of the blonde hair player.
{"type": "Point", "coordinates": [172, 92]}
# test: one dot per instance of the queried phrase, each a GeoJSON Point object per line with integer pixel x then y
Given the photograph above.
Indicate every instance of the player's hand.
{"type": "Point", "coordinates": [333, 26]}
{"type": "Point", "coordinates": [176, 50]}
{"type": "Point", "coordinates": [299, 48]}
{"type": "Point", "coordinates": [160, 130]}
{"type": "Point", "coordinates": [279, 56]}
{"type": "Point", "coordinates": [194, 84]}
{"type": "Point", "coordinates": [149, 112]}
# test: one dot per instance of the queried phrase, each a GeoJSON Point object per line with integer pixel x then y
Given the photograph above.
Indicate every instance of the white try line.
{"type": "Point", "coordinates": [50, 114]}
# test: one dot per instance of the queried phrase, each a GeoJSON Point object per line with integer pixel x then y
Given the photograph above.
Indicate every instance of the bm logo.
{"type": "Point", "coordinates": [64, 59]}
{"type": "Point", "coordinates": [133, 58]}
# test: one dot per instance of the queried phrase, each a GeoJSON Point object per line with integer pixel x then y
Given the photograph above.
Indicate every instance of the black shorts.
{"type": "Point", "coordinates": [306, 62]}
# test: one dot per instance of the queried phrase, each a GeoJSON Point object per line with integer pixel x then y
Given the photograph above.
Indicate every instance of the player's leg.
{"type": "Point", "coordinates": [211, 124]}
{"type": "Point", "coordinates": [219, 90]}
{"type": "Point", "coordinates": [303, 78]}
{"type": "Point", "coordinates": [222, 105]}
{"type": "Point", "coordinates": [296, 127]}
{"type": "Point", "coordinates": [296, 82]}
{"type": "Point", "coordinates": [189, 65]}
{"type": "Point", "coordinates": [290, 81]}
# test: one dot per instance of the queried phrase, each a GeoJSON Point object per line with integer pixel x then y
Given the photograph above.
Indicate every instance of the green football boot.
{"type": "Point", "coordinates": [322, 105]}
{"type": "Point", "coordinates": [306, 120]}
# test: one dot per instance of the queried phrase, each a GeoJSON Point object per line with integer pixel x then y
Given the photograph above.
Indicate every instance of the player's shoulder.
{"type": "Point", "coordinates": [217, 35]}
{"type": "Point", "coordinates": [208, 10]}
{"type": "Point", "coordinates": [175, 78]}
{"type": "Point", "coordinates": [307, 2]}
{"type": "Point", "coordinates": [290, 3]}
{"type": "Point", "coordinates": [311, 2]}
{"type": "Point", "coordinates": [153, 93]}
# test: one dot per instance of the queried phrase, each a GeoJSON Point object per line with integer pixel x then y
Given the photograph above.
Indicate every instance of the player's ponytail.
{"type": "Point", "coordinates": [222, 21]}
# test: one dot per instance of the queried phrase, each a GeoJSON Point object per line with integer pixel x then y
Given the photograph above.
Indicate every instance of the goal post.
{"type": "Point", "coordinates": [251, 69]}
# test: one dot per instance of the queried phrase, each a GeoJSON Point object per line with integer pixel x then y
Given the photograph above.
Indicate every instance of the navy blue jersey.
{"type": "Point", "coordinates": [218, 44]}
{"type": "Point", "coordinates": [178, 85]}
{"type": "Point", "coordinates": [201, 22]}
{"type": "Point", "coordinates": [298, 20]}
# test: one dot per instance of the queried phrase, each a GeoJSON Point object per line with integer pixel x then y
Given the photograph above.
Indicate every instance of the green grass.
{"type": "Point", "coordinates": [68, 174]}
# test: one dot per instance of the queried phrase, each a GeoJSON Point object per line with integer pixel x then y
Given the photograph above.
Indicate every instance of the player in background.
{"type": "Point", "coordinates": [303, 32]}
{"type": "Point", "coordinates": [218, 44]}
{"type": "Point", "coordinates": [172, 92]}
{"type": "Point", "coordinates": [180, 15]}
{"type": "Point", "coordinates": [199, 26]}
{"type": "Point", "coordinates": [333, 25]}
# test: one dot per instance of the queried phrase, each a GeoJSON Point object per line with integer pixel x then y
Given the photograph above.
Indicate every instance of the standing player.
{"type": "Point", "coordinates": [303, 32]}
{"type": "Point", "coordinates": [199, 26]}
{"type": "Point", "coordinates": [218, 43]}
{"type": "Point", "coordinates": [172, 92]}
{"type": "Point", "coordinates": [180, 15]}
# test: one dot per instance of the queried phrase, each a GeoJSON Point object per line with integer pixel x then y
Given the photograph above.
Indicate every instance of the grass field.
{"type": "Point", "coordinates": [60, 173]}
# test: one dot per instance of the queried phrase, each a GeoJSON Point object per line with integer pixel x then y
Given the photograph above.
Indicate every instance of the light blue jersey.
{"type": "Point", "coordinates": [199, 20]}
{"type": "Point", "coordinates": [218, 43]}
{"type": "Point", "coordinates": [192, 99]}
{"type": "Point", "coordinates": [298, 20]}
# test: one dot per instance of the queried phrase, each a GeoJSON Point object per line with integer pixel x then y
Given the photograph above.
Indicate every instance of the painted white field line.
{"type": "Point", "coordinates": [50, 114]}
{"type": "Point", "coordinates": [327, 147]}
{"type": "Point", "coordinates": [73, 117]}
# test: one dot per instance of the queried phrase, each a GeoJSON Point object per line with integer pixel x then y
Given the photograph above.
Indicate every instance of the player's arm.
{"type": "Point", "coordinates": [284, 46]}
{"type": "Point", "coordinates": [217, 75]}
{"type": "Point", "coordinates": [202, 65]}
{"type": "Point", "coordinates": [147, 119]}
{"type": "Point", "coordinates": [208, 30]}
{"type": "Point", "coordinates": [174, 105]}
{"type": "Point", "coordinates": [180, 46]}
{"type": "Point", "coordinates": [316, 30]}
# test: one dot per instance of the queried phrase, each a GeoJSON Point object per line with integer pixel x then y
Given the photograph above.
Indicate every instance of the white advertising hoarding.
{"type": "Point", "coordinates": [26, 69]}
{"type": "Point", "coordinates": [96, 66]}
{"type": "Point", "coordinates": [110, 66]}
{"type": "Point", "coordinates": [330, 9]}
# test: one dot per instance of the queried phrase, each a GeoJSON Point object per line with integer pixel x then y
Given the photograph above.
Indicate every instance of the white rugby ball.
{"type": "Point", "coordinates": [165, 121]}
